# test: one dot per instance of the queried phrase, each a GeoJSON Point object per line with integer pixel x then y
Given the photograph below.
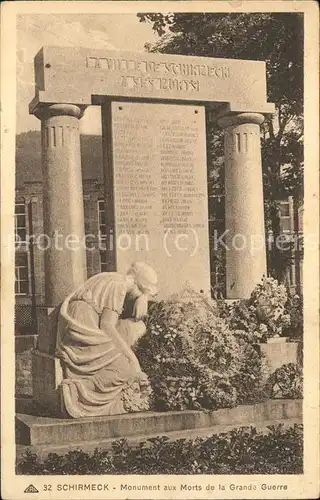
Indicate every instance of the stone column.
{"type": "Point", "coordinates": [65, 258]}
{"type": "Point", "coordinates": [63, 241]}
{"type": "Point", "coordinates": [245, 237]}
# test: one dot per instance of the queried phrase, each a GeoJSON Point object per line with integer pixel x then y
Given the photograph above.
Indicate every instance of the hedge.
{"type": "Point", "coordinates": [240, 451]}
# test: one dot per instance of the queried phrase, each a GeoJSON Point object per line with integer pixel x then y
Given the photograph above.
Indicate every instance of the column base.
{"type": "Point", "coordinates": [47, 322]}
{"type": "Point", "coordinates": [47, 376]}
{"type": "Point", "coordinates": [46, 368]}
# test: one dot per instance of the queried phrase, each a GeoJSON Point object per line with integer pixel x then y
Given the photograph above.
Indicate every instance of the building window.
{"type": "Point", "coordinates": [216, 208]}
{"type": "Point", "coordinates": [103, 261]}
{"type": "Point", "coordinates": [101, 218]}
{"type": "Point", "coordinates": [86, 207]}
{"type": "Point", "coordinates": [21, 274]}
{"type": "Point", "coordinates": [285, 216]}
{"type": "Point", "coordinates": [102, 236]}
{"type": "Point", "coordinates": [284, 208]}
{"type": "Point", "coordinates": [20, 222]}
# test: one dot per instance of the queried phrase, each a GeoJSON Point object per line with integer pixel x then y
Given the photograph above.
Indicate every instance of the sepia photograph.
{"type": "Point", "coordinates": [160, 250]}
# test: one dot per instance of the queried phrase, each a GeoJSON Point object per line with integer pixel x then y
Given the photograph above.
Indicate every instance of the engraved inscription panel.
{"type": "Point", "coordinates": [85, 76]}
{"type": "Point", "coordinates": [160, 192]}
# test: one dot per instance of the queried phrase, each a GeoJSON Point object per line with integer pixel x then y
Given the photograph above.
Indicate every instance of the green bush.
{"type": "Point", "coordinates": [240, 451]}
{"type": "Point", "coordinates": [294, 308]}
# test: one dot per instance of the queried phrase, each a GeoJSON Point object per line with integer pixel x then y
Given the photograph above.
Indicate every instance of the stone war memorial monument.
{"type": "Point", "coordinates": [154, 110]}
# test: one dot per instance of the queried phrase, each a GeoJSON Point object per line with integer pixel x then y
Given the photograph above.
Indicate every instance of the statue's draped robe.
{"type": "Point", "coordinates": [95, 369]}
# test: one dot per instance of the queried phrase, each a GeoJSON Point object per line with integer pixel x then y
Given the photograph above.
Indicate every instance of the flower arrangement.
{"type": "Point", "coordinates": [286, 382]}
{"type": "Point", "coordinates": [203, 354]}
{"type": "Point", "coordinates": [137, 394]}
{"type": "Point", "coordinates": [263, 316]}
{"type": "Point", "coordinates": [250, 375]}
{"type": "Point", "coordinates": [269, 299]}
{"type": "Point", "coordinates": [192, 357]}
{"type": "Point", "coordinates": [242, 319]}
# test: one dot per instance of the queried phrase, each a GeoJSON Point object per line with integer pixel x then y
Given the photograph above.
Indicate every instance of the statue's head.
{"type": "Point", "coordinates": [145, 278]}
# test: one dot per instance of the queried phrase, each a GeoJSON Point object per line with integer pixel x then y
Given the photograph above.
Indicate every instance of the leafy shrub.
{"type": "Point", "coordinates": [193, 359]}
{"type": "Point", "coordinates": [240, 451]}
{"type": "Point", "coordinates": [294, 308]}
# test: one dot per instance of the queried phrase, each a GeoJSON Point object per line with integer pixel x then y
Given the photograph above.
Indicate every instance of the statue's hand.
{"type": "Point", "coordinates": [141, 377]}
{"type": "Point", "coordinates": [140, 308]}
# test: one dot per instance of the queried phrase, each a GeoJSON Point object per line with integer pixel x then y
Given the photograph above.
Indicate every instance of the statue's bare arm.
{"type": "Point", "coordinates": [108, 324]}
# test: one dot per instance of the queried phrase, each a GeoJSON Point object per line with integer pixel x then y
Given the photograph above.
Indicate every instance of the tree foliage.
{"type": "Point", "coordinates": [276, 38]}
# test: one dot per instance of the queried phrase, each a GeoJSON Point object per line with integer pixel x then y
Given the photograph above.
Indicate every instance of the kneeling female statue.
{"type": "Point", "coordinates": [102, 375]}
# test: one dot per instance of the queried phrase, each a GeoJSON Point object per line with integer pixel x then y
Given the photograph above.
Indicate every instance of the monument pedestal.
{"type": "Point", "coordinates": [47, 376]}
{"type": "Point", "coordinates": [47, 322]}
{"type": "Point", "coordinates": [46, 368]}
{"type": "Point", "coordinates": [279, 353]}
{"type": "Point", "coordinates": [44, 434]}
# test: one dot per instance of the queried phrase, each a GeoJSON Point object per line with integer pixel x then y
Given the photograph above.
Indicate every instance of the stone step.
{"type": "Point", "coordinates": [40, 430]}
{"type": "Point", "coordinates": [43, 451]}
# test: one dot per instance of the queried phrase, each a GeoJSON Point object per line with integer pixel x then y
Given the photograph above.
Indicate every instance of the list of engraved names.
{"type": "Point", "coordinates": [155, 172]}
{"type": "Point", "coordinates": [160, 191]}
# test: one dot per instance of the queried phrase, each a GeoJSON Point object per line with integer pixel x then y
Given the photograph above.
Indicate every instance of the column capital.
{"type": "Point", "coordinates": [44, 111]}
{"type": "Point", "coordinates": [239, 119]}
